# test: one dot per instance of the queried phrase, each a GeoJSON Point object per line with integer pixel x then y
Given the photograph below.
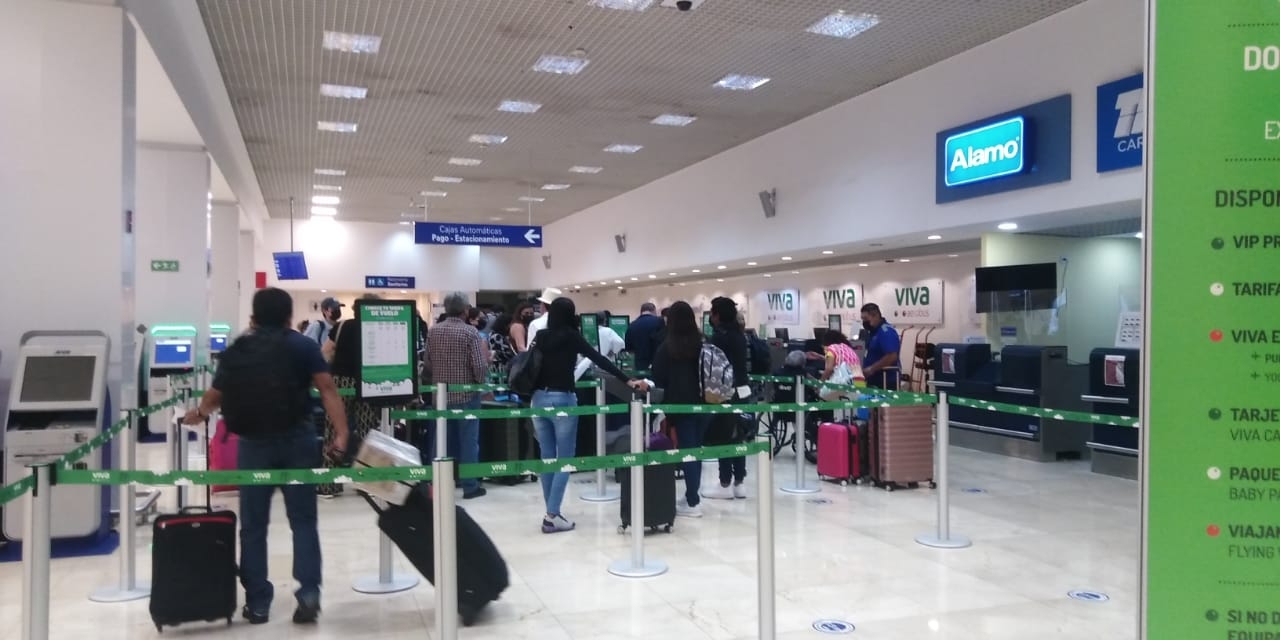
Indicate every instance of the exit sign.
{"type": "Point", "coordinates": [166, 266]}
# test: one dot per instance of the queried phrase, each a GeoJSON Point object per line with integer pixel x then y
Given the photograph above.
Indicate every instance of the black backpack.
{"type": "Point", "coordinates": [759, 355]}
{"type": "Point", "coordinates": [262, 393]}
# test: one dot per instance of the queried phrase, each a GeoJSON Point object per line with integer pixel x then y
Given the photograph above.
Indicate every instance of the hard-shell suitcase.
{"type": "Point", "coordinates": [224, 449]}
{"type": "Point", "coordinates": [482, 573]}
{"type": "Point", "coordinates": [840, 452]}
{"type": "Point", "coordinates": [659, 497]}
{"type": "Point", "coordinates": [505, 440]}
{"type": "Point", "coordinates": [901, 445]}
{"type": "Point", "coordinates": [193, 567]}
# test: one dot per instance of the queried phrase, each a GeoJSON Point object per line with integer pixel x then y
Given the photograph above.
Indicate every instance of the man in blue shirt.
{"type": "Point", "coordinates": [643, 336]}
{"type": "Point", "coordinates": [883, 344]}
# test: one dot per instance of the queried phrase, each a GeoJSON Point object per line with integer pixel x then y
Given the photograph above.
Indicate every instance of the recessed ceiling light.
{"type": "Point", "coordinates": [406, 223]}
{"type": "Point", "coordinates": [465, 162]}
{"type": "Point", "coordinates": [581, 169]}
{"type": "Point", "coordinates": [722, 267]}
{"type": "Point", "coordinates": [738, 82]}
{"type": "Point", "coordinates": [1008, 226]}
{"type": "Point", "coordinates": [331, 172]}
{"type": "Point", "coordinates": [434, 194]}
{"type": "Point", "coordinates": [343, 91]}
{"type": "Point", "coordinates": [622, 5]}
{"type": "Point", "coordinates": [603, 282]}
{"type": "Point", "coordinates": [935, 237]}
{"type": "Point", "coordinates": [337, 127]}
{"type": "Point", "coordinates": [672, 273]}
{"type": "Point", "coordinates": [828, 252]}
{"type": "Point", "coordinates": [653, 277]}
{"type": "Point", "coordinates": [447, 179]}
{"type": "Point", "coordinates": [617, 282]}
{"type": "Point", "coordinates": [403, 291]}
{"type": "Point", "coordinates": [634, 279]}
{"type": "Point", "coordinates": [953, 255]}
{"type": "Point", "coordinates": [325, 200]}
{"type": "Point", "coordinates": [752, 264]}
{"type": "Point", "coordinates": [719, 279]}
{"type": "Point", "coordinates": [531, 199]}
{"type": "Point", "coordinates": [487, 138]}
{"type": "Point", "coordinates": [554, 187]}
{"type": "Point", "coordinates": [673, 120]}
{"type": "Point", "coordinates": [623, 148]}
{"type": "Point", "coordinates": [844, 25]}
{"type": "Point", "coordinates": [863, 264]}
{"type": "Point", "coordinates": [795, 273]}
{"type": "Point", "coordinates": [561, 65]}
{"type": "Point", "coordinates": [324, 211]}
{"type": "Point", "coordinates": [786, 258]}
{"type": "Point", "coordinates": [904, 260]}
{"type": "Point", "coordinates": [326, 187]}
{"type": "Point", "coordinates": [768, 275]}
{"type": "Point", "coordinates": [495, 218]}
{"type": "Point", "coordinates": [351, 42]}
{"type": "Point", "coordinates": [519, 106]}
{"type": "Point", "coordinates": [697, 271]}
{"type": "Point", "coordinates": [513, 209]}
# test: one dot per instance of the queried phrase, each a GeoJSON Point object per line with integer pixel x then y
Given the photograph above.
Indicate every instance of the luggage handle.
{"type": "Point", "coordinates": [372, 503]}
{"type": "Point", "coordinates": [196, 509]}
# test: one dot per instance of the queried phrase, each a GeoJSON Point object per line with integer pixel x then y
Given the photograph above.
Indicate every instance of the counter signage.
{"type": "Point", "coordinates": [843, 302]}
{"type": "Point", "coordinates": [910, 303]}
{"type": "Point", "coordinates": [1212, 480]}
{"type": "Point", "coordinates": [483, 235]}
{"type": "Point", "coordinates": [388, 337]}
{"type": "Point", "coordinates": [1029, 146]}
{"type": "Point", "coordinates": [389, 282]}
{"type": "Point", "coordinates": [1121, 123]}
{"type": "Point", "coordinates": [990, 151]}
{"type": "Point", "coordinates": [782, 307]}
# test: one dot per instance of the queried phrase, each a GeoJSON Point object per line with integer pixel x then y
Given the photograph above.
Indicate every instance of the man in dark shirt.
{"type": "Point", "coordinates": [883, 344]}
{"type": "Point", "coordinates": [292, 447]}
{"type": "Point", "coordinates": [644, 336]}
{"type": "Point", "coordinates": [457, 354]}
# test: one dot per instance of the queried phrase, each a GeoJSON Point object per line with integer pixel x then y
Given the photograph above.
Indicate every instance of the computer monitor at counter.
{"type": "Point", "coordinates": [782, 334]}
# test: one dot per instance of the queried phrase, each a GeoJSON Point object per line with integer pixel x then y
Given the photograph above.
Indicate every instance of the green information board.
{"type": "Point", "coordinates": [388, 338]}
{"type": "Point", "coordinates": [619, 325]}
{"type": "Point", "coordinates": [590, 329]}
{"type": "Point", "coordinates": [1212, 468]}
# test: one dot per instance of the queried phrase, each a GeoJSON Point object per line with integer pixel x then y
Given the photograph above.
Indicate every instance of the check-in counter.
{"type": "Point", "coordinates": [1114, 389]}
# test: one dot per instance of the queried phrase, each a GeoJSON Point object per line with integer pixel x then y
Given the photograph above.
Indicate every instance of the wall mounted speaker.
{"type": "Point", "coordinates": [769, 202]}
{"type": "Point", "coordinates": [546, 261]}
{"type": "Point", "coordinates": [621, 241]}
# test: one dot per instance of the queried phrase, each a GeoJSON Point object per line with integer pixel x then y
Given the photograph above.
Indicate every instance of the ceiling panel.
{"type": "Point", "coordinates": [444, 66]}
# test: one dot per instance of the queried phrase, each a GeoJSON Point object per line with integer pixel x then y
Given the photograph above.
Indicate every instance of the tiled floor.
{"type": "Point", "coordinates": [1039, 531]}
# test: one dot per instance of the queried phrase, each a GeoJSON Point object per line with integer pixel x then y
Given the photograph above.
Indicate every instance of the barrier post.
{"type": "Point", "coordinates": [799, 488]}
{"type": "Point", "coordinates": [35, 554]}
{"type": "Point", "coordinates": [637, 566]}
{"type": "Point", "coordinates": [128, 589]}
{"type": "Point", "coordinates": [603, 492]}
{"type": "Point", "coordinates": [766, 593]}
{"type": "Point", "coordinates": [386, 581]}
{"type": "Point", "coordinates": [445, 525]}
{"type": "Point", "coordinates": [942, 538]}
{"type": "Point", "coordinates": [180, 451]}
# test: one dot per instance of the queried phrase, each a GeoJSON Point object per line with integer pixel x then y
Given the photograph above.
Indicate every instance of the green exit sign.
{"type": "Point", "coordinates": [168, 266]}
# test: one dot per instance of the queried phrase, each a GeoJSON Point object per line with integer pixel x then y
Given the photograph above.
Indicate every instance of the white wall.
{"type": "Point", "coordinates": [864, 169]}
{"type": "Point", "coordinates": [245, 283]}
{"type": "Point", "coordinates": [224, 255]}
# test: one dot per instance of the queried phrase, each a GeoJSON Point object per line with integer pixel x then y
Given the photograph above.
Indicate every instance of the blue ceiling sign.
{"type": "Point", "coordinates": [1122, 123]}
{"type": "Point", "coordinates": [483, 235]}
{"type": "Point", "coordinates": [389, 282]}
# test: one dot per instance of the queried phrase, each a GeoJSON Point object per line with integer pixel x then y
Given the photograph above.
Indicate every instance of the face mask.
{"type": "Point", "coordinates": [336, 314]}
{"type": "Point", "coordinates": [866, 324]}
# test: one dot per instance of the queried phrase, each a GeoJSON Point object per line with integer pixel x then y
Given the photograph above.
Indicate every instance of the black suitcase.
{"type": "Point", "coordinates": [482, 573]}
{"type": "Point", "coordinates": [193, 567]}
{"type": "Point", "coordinates": [505, 440]}
{"type": "Point", "coordinates": [659, 497]}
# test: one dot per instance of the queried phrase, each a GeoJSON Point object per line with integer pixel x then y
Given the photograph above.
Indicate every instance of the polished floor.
{"type": "Point", "coordinates": [1039, 531]}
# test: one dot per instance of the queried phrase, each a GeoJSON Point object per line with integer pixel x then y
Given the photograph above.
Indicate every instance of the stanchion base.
{"type": "Point", "coordinates": [375, 586]}
{"type": "Point", "coordinates": [108, 595]}
{"type": "Point", "coordinates": [953, 542]}
{"type": "Point", "coordinates": [650, 568]}
{"type": "Point", "coordinates": [609, 496]}
{"type": "Point", "coordinates": [801, 490]}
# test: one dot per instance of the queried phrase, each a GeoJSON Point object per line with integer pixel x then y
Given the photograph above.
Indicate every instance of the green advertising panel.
{"type": "Point", "coordinates": [619, 325]}
{"type": "Point", "coordinates": [590, 329]}
{"type": "Point", "coordinates": [1212, 477]}
{"type": "Point", "coordinates": [388, 368]}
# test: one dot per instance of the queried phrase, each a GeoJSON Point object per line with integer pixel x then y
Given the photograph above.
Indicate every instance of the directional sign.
{"type": "Point", "coordinates": [167, 266]}
{"type": "Point", "coordinates": [389, 282]}
{"type": "Point", "coordinates": [484, 235]}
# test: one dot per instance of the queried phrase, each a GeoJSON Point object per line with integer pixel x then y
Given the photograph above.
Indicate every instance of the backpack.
{"type": "Point", "coordinates": [523, 371]}
{"type": "Point", "coordinates": [262, 393]}
{"type": "Point", "coordinates": [760, 360]}
{"type": "Point", "coordinates": [716, 374]}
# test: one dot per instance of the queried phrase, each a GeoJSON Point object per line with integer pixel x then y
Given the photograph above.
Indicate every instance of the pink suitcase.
{"type": "Point", "coordinates": [839, 452]}
{"type": "Point", "coordinates": [223, 452]}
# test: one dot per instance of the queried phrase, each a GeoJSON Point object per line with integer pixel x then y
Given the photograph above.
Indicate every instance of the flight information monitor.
{"type": "Point", "coordinates": [290, 265]}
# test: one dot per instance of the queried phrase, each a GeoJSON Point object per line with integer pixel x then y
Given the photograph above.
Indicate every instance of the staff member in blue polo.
{"type": "Point", "coordinates": [883, 345]}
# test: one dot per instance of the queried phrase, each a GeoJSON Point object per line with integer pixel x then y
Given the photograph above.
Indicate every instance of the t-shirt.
{"type": "Point", "coordinates": [560, 350]}
{"type": "Point", "coordinates": [884, 340]}
{"type": "Point", "coordinates": [306, 359]}
{"type": "Point", "coordinates": [611, 344]}
{"type": "Point", "coordinates": [537, 325]}
{"type": "Point", "coordinates": [643, 338]}
{"type": "Point", "coordinates": [346, 353]}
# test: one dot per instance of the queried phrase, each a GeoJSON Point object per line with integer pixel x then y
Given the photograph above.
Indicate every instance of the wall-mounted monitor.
{"type": "Point", "coordinates": [290, 265]}
{"type": "Point", "coordinates": [782, 334]}
{"type": "Point", "coordinates": [1026, 287]}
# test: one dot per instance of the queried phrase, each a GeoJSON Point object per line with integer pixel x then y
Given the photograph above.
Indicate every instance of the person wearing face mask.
{"type": "Point", "coordinates": [883, 344]}
{"type": "Point", "coordinates": [520, 321]}
{"type": "Point", "coordinates": [331, 312]}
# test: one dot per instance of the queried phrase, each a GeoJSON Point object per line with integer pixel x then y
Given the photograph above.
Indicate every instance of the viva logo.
{"type": "Point", "coordinates": [912, 296]}
{"type": "Point", "coordinates": [781, 301]}
{"type": "Point", "coordinates": [840, 299]}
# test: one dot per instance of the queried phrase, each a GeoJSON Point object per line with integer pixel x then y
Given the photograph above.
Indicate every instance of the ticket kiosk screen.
{"type": "Point", "coordinates": [58, 379]}
{"type": "Point", "coordinates": [172, 353]}
{"type": "Point", "coordinates": [217, 344]}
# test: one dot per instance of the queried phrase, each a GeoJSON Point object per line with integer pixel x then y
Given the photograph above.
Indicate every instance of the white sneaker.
{"type": "Point", "coordinates": [684, 510]}
{"type": "Point", "coordinates": [740, 491]}
{"type": "Point", "coordinates": [717, 492]}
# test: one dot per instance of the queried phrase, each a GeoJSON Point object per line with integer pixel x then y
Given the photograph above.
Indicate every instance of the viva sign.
{"type": "Point", "coordinates": [984, 153]}
{"type": "Point", "coordinates": [918, 303]}
{"type": "Point", "coordinates": [782, 307]}
{"type": "Point", "coordinates": [840, 299]}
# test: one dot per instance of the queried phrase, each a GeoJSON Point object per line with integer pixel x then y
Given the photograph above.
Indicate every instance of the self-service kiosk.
{"type": "Point", "coordinates": [171, 349]}
{"type": "Point", "coordinates": [219, 336]}
{"type": "Point", "coordinates": [57, 402]}
{"type": "Point", "coordinates": [1115, 389]}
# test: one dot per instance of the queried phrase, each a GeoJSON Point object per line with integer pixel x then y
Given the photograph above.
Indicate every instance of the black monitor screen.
{"type": "Point", "coordinates": [782, 334]}
{"type": "Point", "coordinates": [1021, 277]}
{"type": "Point", "coordinates": [58, 379]}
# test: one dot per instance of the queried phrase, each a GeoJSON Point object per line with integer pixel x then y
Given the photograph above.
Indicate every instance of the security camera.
{"type": "Point", "coordinates": [684, 5]}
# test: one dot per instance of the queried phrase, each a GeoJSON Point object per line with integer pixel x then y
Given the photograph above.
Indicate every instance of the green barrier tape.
{"type": "Point", "coordinates": [246, 478]}
{"type": "Point", "coordinates": [1050, 414]}
{"type": "Point", "coordinates": [14, 491]}
{"type": "Point", "coordinates": [157, 408]}
{"type": "Point", "coordinates": [85, 449]}
{"type": "Point", "coordinates": [522, 412]}
{"type": "Point", "coordinates": [760, 378]}
{"type": "Point", "coordinates": [562, 465]}
{"type": "Point", "coordinates": [427, 389]}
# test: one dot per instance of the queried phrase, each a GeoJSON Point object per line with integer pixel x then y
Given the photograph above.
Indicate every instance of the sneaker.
{"type": "Point", "coordinates": [718, 492]}
{"type": "Point", "coordinates": [472, 495]}
{"type": "Point", "coordinates": [683, 509]}
{"type": "Point", "coordinates": [556, 525]}
{"type": "Point", "coordinates": [306, 613]}
{"type": "Point", "coordinates": [254, 617]}
{"type": "Point", "coordinates": [740, 491]}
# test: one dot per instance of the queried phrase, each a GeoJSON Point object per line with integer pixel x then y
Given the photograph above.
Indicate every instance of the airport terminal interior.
{"type": "Point", "coordinates": [958, 195]}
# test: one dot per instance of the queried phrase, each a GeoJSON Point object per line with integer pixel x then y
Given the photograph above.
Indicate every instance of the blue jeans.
{"type": "Point", "coordinates": [297, 449]}
{"type": "Point", "coordinates": [691, 428]}
{"type": "Point", "coordinates": [464, 441]}
{"type": "Point", "coordinates": [557, 438]}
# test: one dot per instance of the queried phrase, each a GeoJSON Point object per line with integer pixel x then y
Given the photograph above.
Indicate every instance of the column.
{"type": "Point", "coordinates": [224, 257]}
{"type": "Point", "coordinates": [245, 280]}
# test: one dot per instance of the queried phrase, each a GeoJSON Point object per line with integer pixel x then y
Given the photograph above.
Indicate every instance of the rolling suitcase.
{"type": "Point", "coordinates": [840, 452]}
{"type": "Point", "coordinates": [482, 573]}
{"type": "Point", "coordinates": [659, 497]}
{"type": "Point", "coordinates": [505, 440]}
{"type": "Point", "coordinates": [193, 567]}
{"type": "Point", "coordinates": [901, 446]}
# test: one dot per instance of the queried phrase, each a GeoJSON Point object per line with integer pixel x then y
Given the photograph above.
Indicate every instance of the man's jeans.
{"type": "Point", "coordinates": [468, 430]}
{"type": "Point", "coordinates": [297, 449]}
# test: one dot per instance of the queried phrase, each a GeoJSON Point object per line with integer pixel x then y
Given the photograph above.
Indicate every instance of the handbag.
{"type": "Point", "coordinates": [330, 347]}
{"type": "Point", "coordinates": [523, 371]}
{"type": "Point", "coordinates": [842, 376]}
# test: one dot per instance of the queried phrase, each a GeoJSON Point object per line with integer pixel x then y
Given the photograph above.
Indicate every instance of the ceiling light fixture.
{"type": "Point", "coordinates": [617, 282]}
{"type": "Point", "coordinates": [905, 260]}
{"type": "Point", "coordinates": [1007, 226]}
{"type": "Point", "coordinates": [719, 279]}
{"type": "Point", "coordinates": [325, 200]}
{"type": "Point", "coordinates": [465, 162]}
{"type": "Point", "coordinates": [935, 237]}
{"type": "Point", "coordinates": [324, 211]}
{"type": "Point", "coordinates": [752, 264]}
{"type": "Point", "coordinates": [622, 5]}
{"type": "Point", "coordinates": [406, 223]}
{"type": "Point", "coordinates": [351, 42]}
{"type": "Point", "coordinates": [697, 271]}
{"type": "Point", "coordinates": [795, 273]}
{"type": "Point", "coordinates": [844, 25]}
{"type": "Point", "coordinates": [623, 148]}
{"type": "Point", "coordinates": [344, 91]}
{"type": "Point", "coordinates": [828, 252]}
{"type": "Point", "coordinates": [513, 209]}
{"type": "Point", "coordinates": [953, 255]}
{"type": "Point", "coordinates": [863, 264]}
{"type": "Point", "coordinates": [531, 199]}
{"type": "Point", "coordinates": [603, 282]}
{"type": "Point", "coordinates": [561, 65]}
{"type": "Point", "coordinates": [554, 187]}
{"type": "Point", "coordinates": [738, 82]}
{"type": "Point", "coordinates": [673, 120]}
{"type": "Point", "coordinates": [635, 279]}
{"type": "Point", "coordinates": [672, 273]}
{"type": "Point", "coordinates": [786, 258]}
{"type": "Point", "coordinates": [336, 127]}
{"type": "Point", "coordinates": [434, 194]}
{"type": "Point", "coordinates": [326, 187]}
{"type": "Point", "coordinates": [495, 218]}
{"type": "Point", "coordinates": [722, 267]}
{"type": "Point", "coordinates": [331, 172]}
{"type": "Point", "coordinates": [519, 106]}
{"type": "Point", "coordinates": [487, 138]}
{"type": "Point", "coordinates": [447, 179]}
{"type": "Point", "coordinates": [653, 277]}
{"type": "Point", "coordinates": [581, 169]}
{"type": "Point", "coordinates": [768, 275]}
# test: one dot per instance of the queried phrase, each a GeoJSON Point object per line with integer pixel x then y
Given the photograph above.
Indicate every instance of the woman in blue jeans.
{"type": "Point", "coordinates": [560, 345]}
{"type": "Point", "coordinates": [677, 371]}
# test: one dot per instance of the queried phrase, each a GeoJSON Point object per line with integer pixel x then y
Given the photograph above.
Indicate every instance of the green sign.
{"type": "Point", "coordinates": [590, 329]}
{"type": "Point", "coordinates": [388, 337]}
{"type": "Point", "coordinates": [707, 329]}
{"type": "Point", "coordinates": [164, 266]}
{"type": "Point", "coordinates": [1212, 478]}
{"type": "Point", "coordinates": [619, 325]}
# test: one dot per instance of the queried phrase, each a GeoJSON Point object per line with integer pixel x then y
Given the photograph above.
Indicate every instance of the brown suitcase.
{"type": "Point", "coordinates": [901, 444]}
